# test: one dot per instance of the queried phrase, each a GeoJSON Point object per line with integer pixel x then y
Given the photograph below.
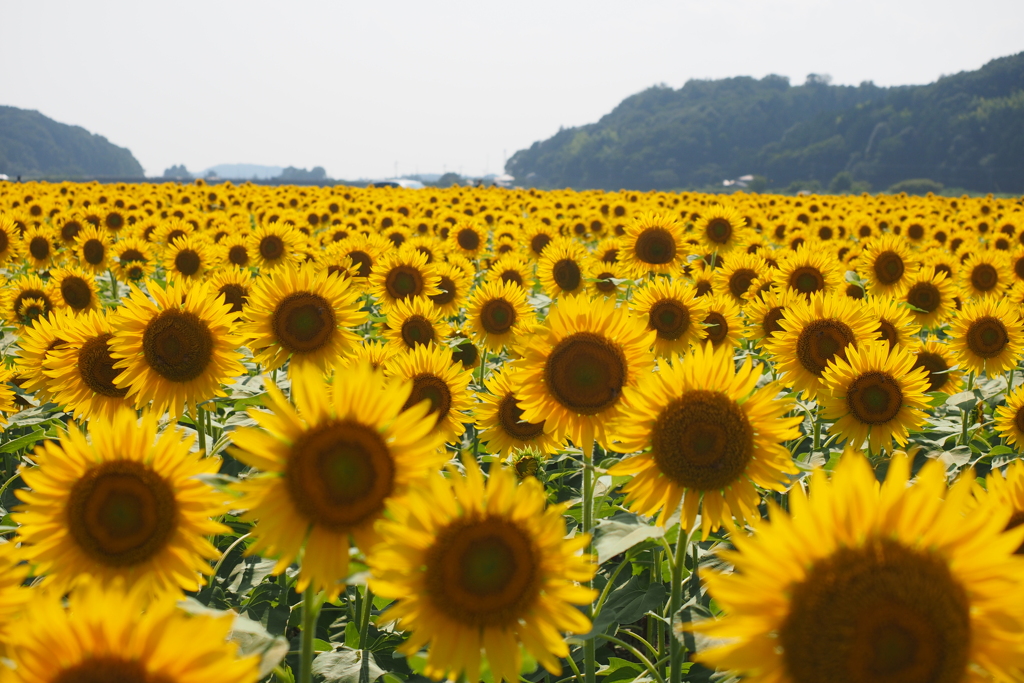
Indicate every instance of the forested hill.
{"type": "Point", "coordinates": [34, 146]}
{"type": "Point", "coordinates": [965, 130]}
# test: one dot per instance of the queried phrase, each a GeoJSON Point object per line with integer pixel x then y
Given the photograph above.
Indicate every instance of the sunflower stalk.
{"type": "Point", "coordinates": [364, 629]}
{"type": "Point", "coordinates": [310, 611]}
{"type": "Point", "coordinates": [200, 422]}
{"type": "Point", "coordinates": [675, 602]}
{"type": "Point", "coordinates": [589, 646]}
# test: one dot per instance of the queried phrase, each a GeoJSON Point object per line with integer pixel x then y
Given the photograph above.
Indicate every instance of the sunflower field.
{"type": "Point", "coordinates": [353, 435]}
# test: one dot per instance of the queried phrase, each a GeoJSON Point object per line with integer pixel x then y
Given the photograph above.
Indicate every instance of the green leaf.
{"type": "Point", "coordinates": [938, 399]}
{"type": "Point", "coordinates": [24, 441]}
{"type": "Point", "coordinates": [627, 603]}
{"type": "Point", "coordinates": [344, 666]}
{"type": "Point", "coordinates": [965, 400]}
{"type": "Point", "coordinates": [621, 532]}
{"type": "Point", "coordinates": [620, 670]}
{"type": "Point", "coordinates": [351, 635]}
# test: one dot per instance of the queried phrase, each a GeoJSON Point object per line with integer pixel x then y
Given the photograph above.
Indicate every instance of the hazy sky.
{"type": "Point", "coordinates": [358, 87]}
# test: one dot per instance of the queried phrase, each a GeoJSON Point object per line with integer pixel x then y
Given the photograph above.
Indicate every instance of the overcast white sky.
{"type": "Point", "coordinates": [358, 87]}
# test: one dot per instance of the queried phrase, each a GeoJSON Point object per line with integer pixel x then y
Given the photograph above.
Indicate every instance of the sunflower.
{"type": "Point", "coordinates": [941, 364]}
{"type": "Point", "coordinates": [988, 336]}
{"type": "Point", "coordinates": [188, 257]}
{"type": "Point", "coordinates": [37, 342]}
{"type": "Point", "coordinates": [10, 242]}
{"type": "Point", "coordinates": [931, 296]}
{"type": "Point", "coordinates": [706, 435]}
{"type": "Point", "coordinates": [896, 323]}
{"type": "Point", "coordinates": [876, 395]}
{"type": "Point", "coordinates": [577, 365]}
{"type": "Point", "coordinates": [703, 277]}
{"type": "Point", "coordinates": [76, 288]}
{"type": "Point", "coordinates": [511, 268]}
{"type": "Point", "coordinates": [887, 265]}
{"type": "Point", "coordinates": [275, 245]}
{"type": "Point", "coordinates": [562, 269]}
{"type": "Point", "coordinates": [113, 634]}
{"type": "Point", "coordinates": [435, 375]}
{"type": "Point", "coordinates": [764, 310]}
{"type": "Point", "coordinates": [328, 467]}
{"type": "Point", "coordinates": [81, 370]}
{"type": "Point", "coordinates": [39, 248]}
{"type": "Point", "coordinates": [739, 274]}
{"type": "Point", "coordinates": [175, 349]}
{"type": "Point", "coordinates": [722, 322]}
{"type": "Point", "coordinates": [93, 247]}
{"type": "Point", "coordinates": [304, 315]}
{"type": "Point", "coordinates": [234, 284]}
{"type": "Point", "coordinates": [499, 419]}
{"type": "Point", "coordinates": [985, 274]}
{"type": "Point", "coordinates": [1010, 419]}
{"type": "Point", "coordinates": [1005, 491]}
{"type": "Point", "coordinates": [604, 275]}
{"type": "Point", "coordinates": [808, 271]}
{"type": "Point", "coordinates": [132, 259]}
{"type": "Point", "coordinates": [412, 322]}
{"type": "Point", "coordinates": [126, 504]}
{"type": "Point", "coordinates": [363, 251]}
{"type": "Point", "coordinates": [653, 243]}
{"type": "Point", "coordinates": [537, 235]}
{"type": "Point", "coordinates": [721, 229]}
{"type": "Point", "coordinates": [68, 228]}
{"type": "Point", "coordinates": [170, 230]}
{"type": "Point", "coordinates": [489, 568]}
{"type": "Point", "coordinates": [29, 298]}
{"type": "Point", "coordinates": [815, 332]}
{"type": "Point", "coordinates": [403, 274]}
{"type": "Point", "coordinates": [234, 250]}
{"type": "Point", "coordinates": [497, 314]}
{"type": "Point", "coordinates": [376, 354]}
{"type": "Point", "coordinates": [863, 582]}
{"type": "Point", "coordinates": [468, 238]}
{"type": "Point", "coordinates": [454, 284]}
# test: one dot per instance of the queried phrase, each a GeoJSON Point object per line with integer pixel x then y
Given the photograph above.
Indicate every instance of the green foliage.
{"type": "Point", "coordinates": [34, 146]}
{"type": "Point", "coordinates": [916, 186]}
{"type": "Point", "coordinates": [965, 130]}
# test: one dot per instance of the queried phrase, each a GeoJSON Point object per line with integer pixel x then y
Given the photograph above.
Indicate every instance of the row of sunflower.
{"type": "Point", "coordinates": [348, 434]}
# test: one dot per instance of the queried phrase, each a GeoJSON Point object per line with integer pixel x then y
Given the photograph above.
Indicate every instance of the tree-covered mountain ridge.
{"type": "Point", "coordinates": [965, 130]}
{"type": "Point", "coordinates": [35, 146]}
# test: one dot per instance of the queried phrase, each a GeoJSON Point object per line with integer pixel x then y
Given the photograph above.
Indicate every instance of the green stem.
{"type": "Point", "coordinates": [200, 420]}
{"type": "Point", "coordinates": [575, 669]}
{"type": "Point", "coordinates": [364, 628]}
{"type": "Point", "coordinates": [589, 646]}
{"type": "Point", "coordinates": [963, 434]}
{"type": "Point", "coordinates": [480, 382]}
{"type": "Point", "coordinates": [216, 567]}
{"type": "Point", "coordinates": [639, 655]}
{"type": "Point", "coordinates": [113, 286]}
{"type": "Point", "coordinates": [674, 603]}
{"type": "Point", "coordinates": [608, 587]}
{"type": "Point", "coordinates": [309, 614]}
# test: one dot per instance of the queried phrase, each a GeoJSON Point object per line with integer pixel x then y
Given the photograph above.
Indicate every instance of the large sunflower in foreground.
{"type": "Point", "coordinates": [124, 503]}
{"type": "Point", "coordinates": [815, 332]}
{"type": "Point", "coordinates": [577, 365]}
{"type": "Point", "coordinates": [175, 349]}
{"type": "Point", "coordinates": [653, 243]}
{"type": "Point", "coordinates": [328, 467]}
{"type": "Point", "coordinates": [500, 419]}
{"type": "Point", "coordinates": [109, 634]}
{"type": "Point", "coordinates": [864, 583]}
{"type": "Point", "coordinates": [674, 312]}
{"type": "Point", "coordinates": [875, 395]}
{"type": "Point", "coordinates": [304, 315]}
{"type": "Point", "coordinates": [707, 438]}
{"type": "Point", "coordinates": [439, 378]}
{"type": "Point", "coordinates": [988, 336]}
{"type": "Point", "coordinates": [488, 568]}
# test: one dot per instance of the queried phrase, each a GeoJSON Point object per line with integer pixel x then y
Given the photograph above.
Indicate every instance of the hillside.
{"type": "Point", "coordinates": [964, 130]}
{"type": "Point", "coordinates": [34, 146]}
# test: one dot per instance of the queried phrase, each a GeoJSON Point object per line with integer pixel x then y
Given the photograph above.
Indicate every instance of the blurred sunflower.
{"type": "Point", "coordinates": [132, 260]}
{"type": "Point", "coordinates": [93, 246]}
{"type": "Point", "coordinates": [170, 230]}
{"type": "Point", "coordinates": [127, 503]}
{"type": "Point", "coordinates": [537, 236]}
{"type": "Point", "coordinates": [862, 582]}
{"type": "Point", "coordinates": [497, 314]}
{"type": "Point", "coordinates": [68, 228]}
{"type": "Point", "coordinates": [39, 248]}
{"type": "Point", "coordinates": [941, 364]}
{"type": "Point", "coordinates": [188, 257]}
{"type": "Point", "coordinates": [604, 276]}
{"type": "Point", "coordinates": [988, 336]}
{"type": "Point", "coordinates": [234, 284]}
{"type": "Point", "coordinates": [763, 312]}
{"type": "Point", "coordinates": [511, 268]}
{"type": "Point", "coordinates": [328, 467]}
{"type": "Point", "coordinates": [10, 241]}
{"type": "Point", "coordinates": [435, 375]}
{"type": "Point", "coordinates": [376, 354]}
{"type": "Point", "coordinates": [35, 343]}
{"type": "Point", "coordinates": [468, 238]}
{"type": "Point", "coordinates": [29, 298]}
{"type": "Point", "coordinates": [76, 288]}
{"type": "Point", "coordinates": [488, 569]}
{"type": "Point", "coordinates": [653, 243]}
{"type": "Point", "coordinates": [1010, 419]}
{"type": "Point", "coordinates": [500, 419]}
{"type": "Point", "coordinates": [176, 348]}
{"type": "Point", "coordinates": [233, 250]}
{"type": "Point", "coordinates": [886, 263]}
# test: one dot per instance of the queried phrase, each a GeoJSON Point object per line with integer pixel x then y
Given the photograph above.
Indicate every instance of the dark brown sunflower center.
{"type": "Point", "coordinates": [30, 304]}
{"type": "Point", "coordinates": [669, 318]}
{"type": "Point", "coordinates": [339, 475]}
{"type": "Point", "coordinates": [466, 353]}
{"type": "Point", "coordinates": [429, 387]}
{"type": "Point", "coordinates": [447, 295]}
{"type": "Point", "coordinates": [235, 295]}
{"type": "Point", "coordinates": [567, 275]}
{"type": "Point", "coordinates": [187, 262]}
{"type": "Point", "coordinates": [303, 322]}
{"type": "Point", "coordinates": [483, 572]}
{"type": "Point", "coordinates": [770, 324]}
{"type": "Point", "coordinates": [468, 239]}
{"type": "Point", "coordinates": [915, 231]}
{"type": "Point", "coordinates": [94, 251]}
{"type": "Point", "coordinates": [925, 296]}
{"type": "Point", "coordinates": [271, 248]}
{"type": "Point", "coordinates": [888, 267]}
{"type": "Point", "coordinates": [881, 612]}
{"type": "Point", "coordinates": [68, 232]}
{"type": "Point", "coordinates": [497, 316]}
{"type": "Point", "coordinates": [702, 440]}
{"type": "Point", "coordinates": [175, 234]}
{"type": "Point", "coordinates": [807, 280]}
{"type": "Point", "coordinates": [130, 256]}
{"type": "Point", "coordinates": [107, 670]}
{"type": "Point", "coordinates": [538, 242]}
{"type": "Point", "coordinates": [96, 367]}
{"type": "Point", "coordinates": [717, 327]}
{"type": "Point", "coordinates": [987, 337]}
{"type": "Point", "coordinates": [740, 281]}
{"type": "Point", "coordinates": [854, 291]}
{"type": "Point", "coordinates": [362, 262]}
{"type": "Point", "coordinates": [605, 283]}
{"type": "Point", "coordinates": [612, 256]}
{"type": "Point", "coordinates": [76, 292]}
{"type": "Point", "coordinates": [238, 255]}
{"type": "Point", "coordinates": [719, 230]}
{"type": "Point", "coordinates": [178, 345]}
{"type": "Point", "coordinates": [703, 287]}
{"type": "Point", "coordinates": [417, 330]}
{"type": "Point", "coordinates": [121, 513]}
{"type": "Point", "coordinates": [938, 369]}
{"type": "Point", "coordinates": [512, 276]}
{"type": "Point", "coordinates": [655, 246]}
{"type": "Point", "coordinates": [39, 247]}
{"type": "Point", "coordinates": [586, 372]}
{"type": "Point", "coordinates": [888, 332]}
{"type": "Point", "coordinates": [874, 398]}
{"type": "Point", "coordinates": [404, 281]}
{"type": "Point", "coordinates": [510, 416]}
{"type": "Point", "coordinates": [984, 277]}
{"type": "Point", "coordinates": [821, 341]}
